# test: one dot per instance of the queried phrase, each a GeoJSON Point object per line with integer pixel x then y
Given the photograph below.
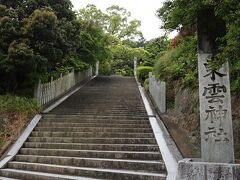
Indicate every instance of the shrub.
{"type": "Point", "coordinates": [105, 68]}
{"type": "Point", "coordinates": [179, 63]}
{"type": "Point", "coordinates": [143, 73]}
{"type": "Point", "coordinates": [146, 84]}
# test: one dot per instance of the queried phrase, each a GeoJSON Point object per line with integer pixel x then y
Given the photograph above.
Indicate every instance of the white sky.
{"type": "Point", "coordinates": [143, 10]}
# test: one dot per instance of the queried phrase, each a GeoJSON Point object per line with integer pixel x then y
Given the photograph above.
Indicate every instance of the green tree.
{"type": "Point", "coordinates": [118, 24]}
{"type": "Point", "coordinates": [41, 36]}
{"type": "Point", "coordinates": [115, 21]}
{"type": "Point", "coordinates": [112, 36]}
{"type": "Point", "coordinates": [94, 42]}
{"type": "Point", "coordinates": [157, 45]}
{"type": "Point", "coordinates": [182, 15]}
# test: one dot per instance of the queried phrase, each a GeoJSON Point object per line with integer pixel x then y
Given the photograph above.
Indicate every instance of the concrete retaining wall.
{"type": "Point", "coordinates": [157, 90]}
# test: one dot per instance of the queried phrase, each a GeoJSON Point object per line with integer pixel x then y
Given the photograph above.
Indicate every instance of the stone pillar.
{"type": "Point", "coordinates": [97, 68]}
{"type": "Point", "coordinates": [135, 66]}
{"type": "Point", "coordinates": [215, 110]}
{"type": "Point", "coordinates": [37, 91]}
{"type": "Point", "coordinates": [214, 95]}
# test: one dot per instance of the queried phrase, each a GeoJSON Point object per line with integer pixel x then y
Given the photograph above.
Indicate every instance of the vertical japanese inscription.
{"type": "Point", "coordinates": [214, 92]}
{"type": "Point", "coordinates": [215, 112]}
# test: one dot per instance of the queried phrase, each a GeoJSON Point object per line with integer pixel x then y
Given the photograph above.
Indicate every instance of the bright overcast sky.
{"type": "Point", "coordinates": [143, 10]}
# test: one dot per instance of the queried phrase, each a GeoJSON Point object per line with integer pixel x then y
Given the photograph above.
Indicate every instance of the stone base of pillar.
{"type": "Point", "coordinates": [194, 169]}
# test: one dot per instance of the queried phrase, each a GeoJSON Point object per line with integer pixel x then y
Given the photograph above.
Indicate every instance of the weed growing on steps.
{"type": "Point", "coordinates": [15, 113]}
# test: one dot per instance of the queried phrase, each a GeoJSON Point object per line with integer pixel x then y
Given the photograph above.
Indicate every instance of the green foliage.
{"type": "Point", "coordinates": [179, 63]}
{"type": "Point", "coordinates": [123, 56]}
{"type": "Point", "coordinates": [9, 103]}
{"type": "Point", "coordinates": [146, 84]}
{"type": "Point", "coordinates": [176, 14]}
{"type": "Point", "coordinates": [125, 71]}
{"type": "Point", "coordinates": [143, 72]}
{"type": "Point", "coordinates": [153, 49]}
{"type": "Point", "coordinates": [15, 113]}
{"type": "Point", "coordinates": [115, 39]}
{"type": "Point", "coordinates": [182, 14]}
{"type": "Point", "coordinates": [115, 21]}
{"type": "Point", "coordinates": [19, 58]}
{"type": "Point", "coordinates": [94, 42]}
{"type": "Point", "coordinates": [105, 68]}
{"type": "Point", "coordinates": [118, 24]}
{"type": "Point", "coordinates": [157, 45]}
{"type": "Point", "coordinates": [38, 37]}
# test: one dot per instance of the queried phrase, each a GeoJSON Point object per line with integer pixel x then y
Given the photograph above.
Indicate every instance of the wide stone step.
{"type": "Point", "coordinates": [110, 147]}
{"type": "Point", "coordinates": [5, 178]}
{"type": "Point", "coordinates": [99, 121]}
{"type": "Point", "coordinates": [57, 124]}
{"type": "Point", "coordinates": [93, 129]}
{"type": "Point", "coordinates": [88, 172]}
{"type": "Point", "coordinates": [104, 101]}
{"type": "Point", "coordinates": [95, 113]}
{"type": "Point", "coordinates": [150, 166]}
{"type": "Point", "coordinates": [94, 140]}
{"type": "Point", "coordinates": [103, 110]}
{"type": "Point", "coordinates": [32, 175]}
{"type": "Point", "coordinates": [72, 116]}
{"type": "Point", "coordinates": [93, 153]}
{"type": "Point", "coordinates": [91, 134]}
{"type": "Point", "coordinates": [103, 107]}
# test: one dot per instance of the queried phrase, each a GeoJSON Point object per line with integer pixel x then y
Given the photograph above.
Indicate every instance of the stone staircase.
{"type": "Point", "coordinates": [100, 132]}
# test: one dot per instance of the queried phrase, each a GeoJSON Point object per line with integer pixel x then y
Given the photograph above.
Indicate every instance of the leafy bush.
{"type": "Point", "coordinates": [179, 63]}
{"type": "Point", "coordinates": [146, 84]}
{"type": "Point", "coordinates": [143, 72]}
{"type": "Point", "coordinates": [105, 68]}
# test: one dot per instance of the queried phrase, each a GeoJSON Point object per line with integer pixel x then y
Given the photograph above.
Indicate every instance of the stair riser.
{"type": "Point", "coordinates": [27, 176]}
{"type": "Point", "coordinates": [92, 135]}
{"type": "Point", "coordinates": [92, 129]}
{"type": "Point", "coordinates": [105, 109]}
{"type": "Point", "coordinates": [103, 154]}
{"type": "Point", "coordinates": [92, 147]}
{"type": "Point", "coordinates": [96, 174]}
{"type": "Point", "coordinates": [103, 117]}
{"type": "Point", "coordinates": [151, 167]}
{"type": "Point", "coordinates": [98, 113]}
{"type": "Point", "coordinates": [95, 125]}
{"type": "Point", "coordinates": [92, 141]}
{"type": "Point", "coordinates": [99, 121]}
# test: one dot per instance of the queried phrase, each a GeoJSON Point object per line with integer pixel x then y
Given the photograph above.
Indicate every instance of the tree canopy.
{"type": "Point", "coordinates": [40, 39]}
{"type": "Point", "coordinates": [37, 37]}
{"type": "Point", "coordinates": [181, 15]}
{"type": "Point", "coordinates": [115, 21]}
{"type": "Point", "coordinates": [120, 37]}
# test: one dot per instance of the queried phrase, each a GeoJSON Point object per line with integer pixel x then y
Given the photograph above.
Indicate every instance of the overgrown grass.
{"type": "Point", "coordinates": [15, 112]}
{"type": "Point", "coordinates": [16, 104]}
